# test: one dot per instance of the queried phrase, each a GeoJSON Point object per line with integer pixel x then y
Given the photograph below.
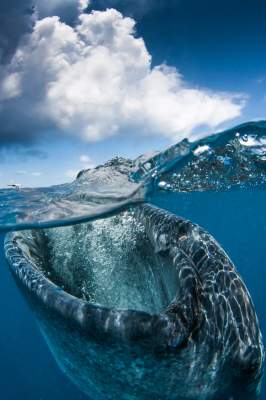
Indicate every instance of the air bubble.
{"type": "Point", "coordinates": [162, 185]}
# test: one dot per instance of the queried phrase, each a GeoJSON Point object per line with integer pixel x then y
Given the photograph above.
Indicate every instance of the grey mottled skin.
{"type": "Point", "coordinates": [205, 345]}
{"type": "Point", "coordinates": [213, 308]}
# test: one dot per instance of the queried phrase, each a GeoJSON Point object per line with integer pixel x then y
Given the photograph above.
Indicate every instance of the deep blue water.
{"type": "Point", "coordinates": [237, 219]}
{"type": "Point", "coordinates": [27, 369]}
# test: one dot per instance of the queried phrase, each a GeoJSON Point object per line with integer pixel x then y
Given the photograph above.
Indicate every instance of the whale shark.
{"type": "Point", "coordinates": [141, 304]}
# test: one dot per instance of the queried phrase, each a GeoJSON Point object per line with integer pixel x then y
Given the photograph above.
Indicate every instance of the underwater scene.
{"type": "Point", "coordinates": [140, 279]}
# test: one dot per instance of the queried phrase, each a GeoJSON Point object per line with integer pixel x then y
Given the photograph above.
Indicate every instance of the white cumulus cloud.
{"type": "Point", "coordinates": [86, 161]}
{"type": "Point", "coordinates": [84, 158]}
{"type": "Point", "coordinates": [83, 4]}
{"type": "Point", "coordinates": [95, 80]}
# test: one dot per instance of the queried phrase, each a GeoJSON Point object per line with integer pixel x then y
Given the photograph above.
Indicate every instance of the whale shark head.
{"type": "Point", "coordinates": [128, 309]}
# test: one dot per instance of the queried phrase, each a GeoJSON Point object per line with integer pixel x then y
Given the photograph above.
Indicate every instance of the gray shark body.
{"type": "Point", "coordinates": [204, 344]}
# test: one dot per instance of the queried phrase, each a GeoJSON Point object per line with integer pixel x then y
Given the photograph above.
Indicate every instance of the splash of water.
{"type": "Point", "coordinates": [234, 159]}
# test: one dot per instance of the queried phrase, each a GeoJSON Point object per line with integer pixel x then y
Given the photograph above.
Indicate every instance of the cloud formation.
{"type": "Point", "coordinates": [95, 80]}
{"type": "Point", "coordinates": [17, 17]}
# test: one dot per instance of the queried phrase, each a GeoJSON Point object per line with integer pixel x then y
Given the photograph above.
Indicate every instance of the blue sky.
{"type": "Point", "coordinates": [77, 92]}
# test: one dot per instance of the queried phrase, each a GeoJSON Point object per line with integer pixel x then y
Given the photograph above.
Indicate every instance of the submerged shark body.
{"type": "Point", "coordinates": [200, 340]}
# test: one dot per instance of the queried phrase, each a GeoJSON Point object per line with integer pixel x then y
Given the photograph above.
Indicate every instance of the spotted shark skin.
{"type": "Point", "coordinates": [213, 308]}
{"type": "Point", "coordinates": [207, 343]}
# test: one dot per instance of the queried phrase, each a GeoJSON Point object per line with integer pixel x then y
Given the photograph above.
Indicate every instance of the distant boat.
{"type": "Point", "coordinates": [16, 186]}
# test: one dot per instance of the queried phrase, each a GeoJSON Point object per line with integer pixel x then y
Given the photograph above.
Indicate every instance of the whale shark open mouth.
{"type": "Point", "coordinates": [109, 262]}
{"type": "Point", "coordinates": [116, 268]}
{"type": "Point", "coordinates": [147, 277]}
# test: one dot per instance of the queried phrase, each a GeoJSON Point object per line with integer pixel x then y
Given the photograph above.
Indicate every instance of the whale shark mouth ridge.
{"type": "Point", "coordinates": [103, 275]}
{"type": "Point", "coordinates": [115, 276]}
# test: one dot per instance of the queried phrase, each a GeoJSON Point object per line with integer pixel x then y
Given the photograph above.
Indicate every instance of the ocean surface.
{"type": "Point", "coordinates": [218, 183]}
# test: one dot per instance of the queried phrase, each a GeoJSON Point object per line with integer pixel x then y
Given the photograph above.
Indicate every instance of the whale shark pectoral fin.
{"type": "Point", "coordinates": [185, 311]}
